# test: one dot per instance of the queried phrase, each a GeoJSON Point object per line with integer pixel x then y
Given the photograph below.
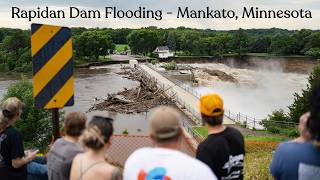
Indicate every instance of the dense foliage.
{"type": "Point", "coordinates": [35, 124]}
{"type": "Point", "coordinates": [92, 44]}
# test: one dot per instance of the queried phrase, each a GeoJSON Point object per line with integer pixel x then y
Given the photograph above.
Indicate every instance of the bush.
{"type": "Point", "coordinates": [293, 132]}
{"type": "Point", "coordinates": [313, 52]}
{"type": "Point", "coordinates": [125, 132]}
{"type": "Point", "coordinates": [278, 116]}
{"type": "Point", "coordinates": [170, 66]}
{"type": "Point", "coordinates": [35, 125]}
{"type": "Point", "coordinates": [273, 129]}
{"type": "Point", "coordinates": [155, 61]}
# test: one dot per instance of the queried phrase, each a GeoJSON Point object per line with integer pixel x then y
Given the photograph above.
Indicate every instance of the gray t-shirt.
{"type": "Point", "coordinates": [60, 159]}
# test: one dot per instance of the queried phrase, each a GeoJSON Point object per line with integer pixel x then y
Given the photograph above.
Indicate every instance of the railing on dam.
{"type": "Point", "coordinates": [240, 118]}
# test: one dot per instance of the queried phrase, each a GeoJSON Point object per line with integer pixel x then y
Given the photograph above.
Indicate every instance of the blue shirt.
{"type": "Point", "coordinates": [296, 161]}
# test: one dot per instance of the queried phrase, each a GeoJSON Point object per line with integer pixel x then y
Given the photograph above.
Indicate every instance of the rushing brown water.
{"type": "Point", "coordinates": [270, 86]}
{"type": "Point", "coordinates": [92, 83]}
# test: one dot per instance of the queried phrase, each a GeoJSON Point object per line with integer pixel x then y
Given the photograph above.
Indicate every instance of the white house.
{"type": "Point", "coordinates": [163, 52]}
{"type": "Point", "coordinates": [133, 63]}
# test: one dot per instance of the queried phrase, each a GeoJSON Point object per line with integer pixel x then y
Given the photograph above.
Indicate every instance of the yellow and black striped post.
{"type": "Point", "coordinates": [51, 48]}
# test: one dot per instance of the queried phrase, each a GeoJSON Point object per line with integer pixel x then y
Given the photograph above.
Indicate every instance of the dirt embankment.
{"type": "Point", "coordinates": [221, 75]}
{"type": "Point", "coordinates": [136, 100]}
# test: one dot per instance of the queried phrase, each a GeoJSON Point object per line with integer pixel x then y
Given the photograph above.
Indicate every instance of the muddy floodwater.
{"type": "Point", "coordinates": [92, 83]}
{"type": "Point", "coordinates": [259, 91]}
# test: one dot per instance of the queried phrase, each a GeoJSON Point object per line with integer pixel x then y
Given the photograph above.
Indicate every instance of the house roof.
{"type": "Point", "coordinates": [162, 49]}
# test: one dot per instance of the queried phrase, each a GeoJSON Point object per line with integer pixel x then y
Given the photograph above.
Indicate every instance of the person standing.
{"type": "Point", "coordinates": [223, 150]}
{"type": "Point", "coordinates": [92, 163]}
{"type": "Point", "coordinates": [165, 161]}
{"type": "Point", "coordinates": [14, 163]}
{"type": "Point", "coordinates": [59, 158]}
{"type": "Point", "coordinates": [301, 160]}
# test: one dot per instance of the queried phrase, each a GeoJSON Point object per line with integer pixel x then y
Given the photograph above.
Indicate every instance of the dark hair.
{"type": "Point", "coordinates": [98, 132]}
{"type": "Point", "coordinates": [212, 120]}
{"type": "Point", "coordinates": [74, 123]}
{"type": "Point", "coordinates": [8, 114]}
{"type": "Point", "coordinates": [314, 120]}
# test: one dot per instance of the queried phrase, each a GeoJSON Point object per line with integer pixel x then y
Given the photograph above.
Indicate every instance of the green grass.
{"type": "Point", "coordinates": [259, 150]}
{"type": "Point", "coordinates": [274, 55]}
{"type": "Point", "coordinates": [121, 47]}
{"type": "Point", "coordinates": [203, 132]}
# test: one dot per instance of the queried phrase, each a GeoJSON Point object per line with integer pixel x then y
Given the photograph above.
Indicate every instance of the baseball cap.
{"type": "Point", "coordinates": [211, 105]}
{"type": "Point", "coordinates": [165, 122]}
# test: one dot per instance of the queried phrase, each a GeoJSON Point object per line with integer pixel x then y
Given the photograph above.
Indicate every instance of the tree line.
{"type": "Point", "coordinates": [95, 43]}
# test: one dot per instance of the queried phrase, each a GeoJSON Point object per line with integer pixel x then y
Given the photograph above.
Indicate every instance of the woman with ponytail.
{"type": "Point", "coordinates": [92, 164]}
{"type": "Point", "coordinates": [13, 160]}
{"type": "Point", "coordinates": [296, 160]}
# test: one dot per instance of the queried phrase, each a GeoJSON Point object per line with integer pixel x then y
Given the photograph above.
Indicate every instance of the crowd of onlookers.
{"type": "Point", "coordinates": [82, 152]}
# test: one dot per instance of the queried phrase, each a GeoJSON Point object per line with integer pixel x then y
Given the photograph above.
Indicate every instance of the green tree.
{"type": "Point", "coordinates": [313, 41]}
{"type": "Point", "coordinates": [313, 52]}
{"type": "Point", "coordinates": [119, 36]}
{"type": "Point", "coordinates": [301, 39]}
{"type": "Point", "coordinates": [93, 44]}
{"type": "Point", "coordinates": [143, 41]}
{"type": "Point", "coordinates": [171, 41]}
{"type": "Point", "coordinates": [13, 43]}
{"type": "Point", "coordinates": [35, 124]}
{"type": "Point", "coordinates": [241, 42]}
{"type": "Point", "coordinates": [260, 45]}
{"type": "Point", "coordinates": [219, 44]}
{"type": "Point", "coordinates": [301, 102]}
{"type": "Point", "coordinates": [2, 35]}
{"type": "Point", "coordinates": [284, 44]}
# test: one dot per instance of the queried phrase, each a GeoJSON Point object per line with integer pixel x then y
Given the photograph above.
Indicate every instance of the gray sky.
{"type": "Point", "coordinates": [168, 20]}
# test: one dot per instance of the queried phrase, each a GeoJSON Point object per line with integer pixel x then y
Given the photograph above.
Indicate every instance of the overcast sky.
{"type": "Point", "coordinates": [168, 20]}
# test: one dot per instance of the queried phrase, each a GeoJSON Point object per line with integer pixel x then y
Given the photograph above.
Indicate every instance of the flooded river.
{"type": "Point", "coordinates": [260, 90]}
{"type": "Point", "coordinates": [257, 92]}
{"type": "Point", "coordinates": [91, 83]}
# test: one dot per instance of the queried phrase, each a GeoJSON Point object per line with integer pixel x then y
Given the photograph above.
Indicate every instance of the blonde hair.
{"type": "Point", "coordinates": [10, 110]}
{"type": "Point", "coordinates": [98, 133]}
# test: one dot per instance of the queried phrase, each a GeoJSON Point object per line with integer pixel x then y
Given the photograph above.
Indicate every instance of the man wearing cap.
{"type": "Point", "coordinates": [165, 161]}
{"type": "Point", "coordinates": [223, 150]}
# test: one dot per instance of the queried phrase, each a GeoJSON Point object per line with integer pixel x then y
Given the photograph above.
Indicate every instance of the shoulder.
{"type": "Point", "coordinates": [195, 166]}
{"type": "Point", "coordinates": [57, 143]}
{"type": "Point", "coordinates": [11, 131]}
{"type": "Point", "coordinates": [110, 171]}
{"type": "Point", "coordinates": [233, 130]}
{"type": "Point", "coordinates": [140, 152]}
{"type": "Point", "coordinates": [77, 158]}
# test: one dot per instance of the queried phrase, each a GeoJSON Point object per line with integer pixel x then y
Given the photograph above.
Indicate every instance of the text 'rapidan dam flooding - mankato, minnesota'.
{"type": "Point", "coordinates": [157, 14]}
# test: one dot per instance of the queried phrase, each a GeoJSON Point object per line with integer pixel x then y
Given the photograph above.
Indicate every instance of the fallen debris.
{"type": "Point", "coordinates": [136, 100]}
{"type": "Point", "coordinates": [221, 75]}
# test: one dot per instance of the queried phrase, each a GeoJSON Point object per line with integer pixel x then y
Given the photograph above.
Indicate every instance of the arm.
{"type": "Point", "coordinates": [205, 156]}
{"type": "Point", "coordinates": [19, 162]}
